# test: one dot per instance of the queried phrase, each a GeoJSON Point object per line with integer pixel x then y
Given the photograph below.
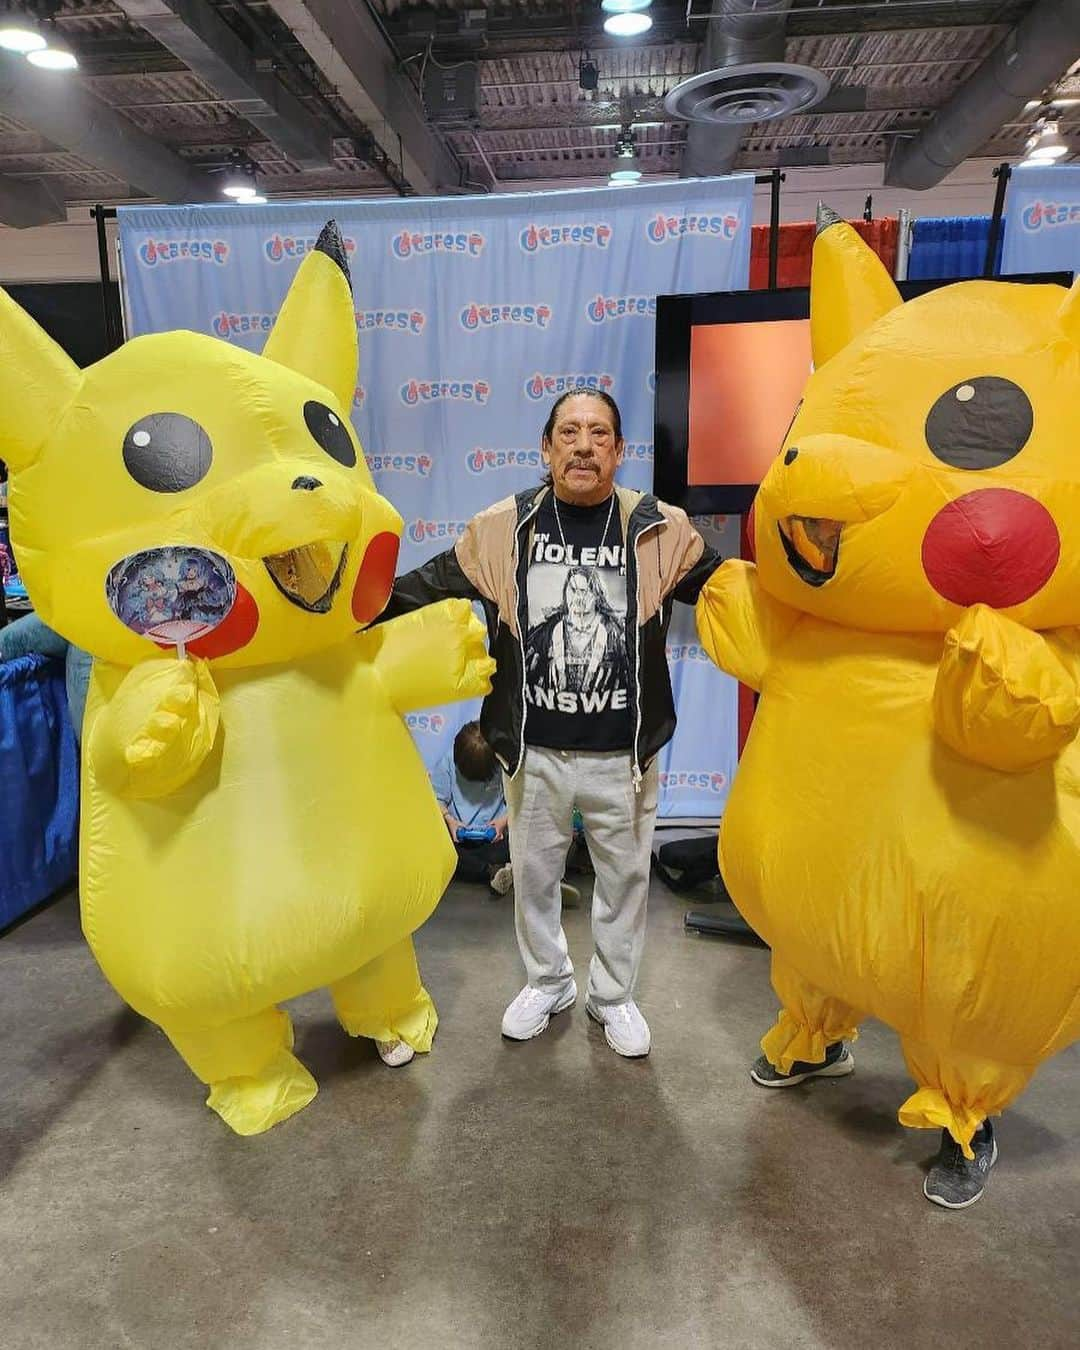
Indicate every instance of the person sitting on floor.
{"type": "Point", "coordinates": [468, 786]}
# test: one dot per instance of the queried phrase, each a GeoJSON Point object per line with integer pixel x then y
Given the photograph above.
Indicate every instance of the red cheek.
{"type": "Point", "coordinates": [993, 547]}
{"type": "Point", "coordinates": [375, 579]}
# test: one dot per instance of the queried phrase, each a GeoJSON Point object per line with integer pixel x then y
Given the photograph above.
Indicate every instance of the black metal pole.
{"type": "Point", "coordinates": [103, 272]}
{"type": "Point", "coordinates": [775, 179]}
{"type": "Point", "coordinates": [1002, 173]}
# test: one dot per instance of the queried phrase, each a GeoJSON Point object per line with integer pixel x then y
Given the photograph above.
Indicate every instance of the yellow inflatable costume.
{"type": "Point", "coordinates": [256, 821]}
{"type": "Point", "coordinates": [904, 827]}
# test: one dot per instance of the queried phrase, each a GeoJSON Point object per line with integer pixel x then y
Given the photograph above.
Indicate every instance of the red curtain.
{"type": "Point", "coordinates": [796, 245]}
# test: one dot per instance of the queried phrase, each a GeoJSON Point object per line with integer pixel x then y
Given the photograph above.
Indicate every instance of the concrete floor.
{"type": "Point", "coordinates": [497, 1195]}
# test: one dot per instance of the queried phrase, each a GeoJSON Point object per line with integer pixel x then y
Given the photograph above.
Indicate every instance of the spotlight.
{"type": "Point", "coordinates": [240, 179]}
{"type": "Point", "coordinates": [627, 24]}
{"type": "Point", "coordinates": [19, 32]}
{"type": "Point", "coordinates": [588, 75]}
{"type": "Point", "coordinates": [57, 55]}
{"type": "Point", "coordinates": [623, 6]}
{"type": "Point", "coordinates": [624, 177]}
{"type": "Point", "coordinates": [626, 145]}
{"type": "Point", "coordinates": [254, 200]}
{"type": "Point", "coordinates": [1046, 144]}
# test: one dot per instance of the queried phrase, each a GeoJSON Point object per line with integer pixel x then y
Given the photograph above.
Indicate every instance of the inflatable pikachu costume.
{"type": "Point", "coordinates": [256, 822]}
{"type": "Point", "coordinates": [904, 827]}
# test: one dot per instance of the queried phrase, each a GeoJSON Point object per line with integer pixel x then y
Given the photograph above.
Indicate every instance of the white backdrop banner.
{"type": "Point", "coordinates": [474, 314]}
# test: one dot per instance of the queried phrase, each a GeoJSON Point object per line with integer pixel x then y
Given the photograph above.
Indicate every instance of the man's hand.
{"type": "Point", "coordinates": [499, 826]}
{"type": "Point", "coordinates": [453, 825]}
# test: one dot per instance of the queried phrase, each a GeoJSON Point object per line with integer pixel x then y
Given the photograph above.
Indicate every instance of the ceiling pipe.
{"type": "Point", "coordinates": [1037, 51]}
{"type": "Point", "coordinates": [740, 32]}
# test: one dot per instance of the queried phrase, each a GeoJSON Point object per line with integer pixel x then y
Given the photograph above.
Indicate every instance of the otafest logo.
{"type": "Point", "coordinates": [537, 238]}
{"type": "Point", "coordinates": [690, 780]}
{"type": "Point", "coordinates": [411, 244]}
{"type": "Point", "coordinates": [391, 320]}
{"type": "Point", "coordinates": [606, 307]}
{"type": "Point", "coordinates": [414, 392]}
{"type": "Point", "coordinates": [666, 229]}
{"type": "Point", "coordinates": [229, 325]}
{"type": "Point", "coordinates": [424, 531]}
{"type": "Point", "coordinates": [418, 465]}
{"type": "Point", "coordinates": [284, 247]}
{"type": "Point", "coordinates": [153, 251]}
{"type": "Point", "coordinates": [540, 386]}
{"type": "Point", "coordinates": [1040, 215]}
{"type": "Point", "coordinates": [475, 316]}
{"type": "Point", "coordinates": [638, 452]}
{"type": "Point", "coordinates": [686, 651]}
{"type": "Point", "coordinates": [427, 724]}
{"type": "Point", "coordinates": [482, 460]}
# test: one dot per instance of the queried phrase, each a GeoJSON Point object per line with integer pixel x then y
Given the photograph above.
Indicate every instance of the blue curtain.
{"type": "Point", "coordinates": [950, 246]}
{"type": "Point", "coordinates": [39, 785]}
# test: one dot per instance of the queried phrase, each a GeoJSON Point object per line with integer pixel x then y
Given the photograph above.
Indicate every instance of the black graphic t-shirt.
{"type": "Point", "coordinates": [576, 664]}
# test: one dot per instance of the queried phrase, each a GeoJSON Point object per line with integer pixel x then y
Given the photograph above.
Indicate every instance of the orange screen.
{"type": "Point", "coordinates": [746, 380]}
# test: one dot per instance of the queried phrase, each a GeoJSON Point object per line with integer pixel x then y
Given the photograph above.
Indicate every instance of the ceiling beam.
{"type": "Point", "coordinates": [351, 50]}
{"type": "Point", "coordinates": [198, 36]}
{"type": "Point", "coordinates": [63, 110]}
{"type": "Point", "coordinates": [27, 204]}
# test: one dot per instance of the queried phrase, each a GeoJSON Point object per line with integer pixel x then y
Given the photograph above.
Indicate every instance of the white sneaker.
{"type": "Point", "coordinates": [625, 1030]}
{"type": "Point", "coordinates": [395, 1053]}
{"type": "Point", "coordinates": [502, 880]}
{"type": "Point", "coordinates": [533, 1009]}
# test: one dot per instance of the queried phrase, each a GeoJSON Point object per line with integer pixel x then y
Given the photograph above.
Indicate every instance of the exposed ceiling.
{"type": "Point", "coordinates": [335, 97]}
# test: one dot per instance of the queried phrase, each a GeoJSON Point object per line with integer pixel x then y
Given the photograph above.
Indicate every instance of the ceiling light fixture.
{"type": "Point", "coordinates": [624, 6]}
{"type": "Point", "coordinates": [56, 55]}
{"type": "Point", "coordinates": [628, 24]}
{"type": "Point", "coordinates": [624, 177]}
{"type": "Point", "coordinates": [1045, 145]}
{"type": "Point", "coordinates": [239, 180]}
{"type": "Point", "coordinates": [626, 144]}
{"type": "Point", "coordinates": [19, 32]}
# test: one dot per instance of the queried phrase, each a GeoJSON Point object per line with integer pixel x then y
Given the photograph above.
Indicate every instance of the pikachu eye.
{"type": "Point", "coordinates": [167, 452]}
{"type": "Point", "coordinates": [330, 432]}
{"type": "Point", "coordinates": [980, 424]}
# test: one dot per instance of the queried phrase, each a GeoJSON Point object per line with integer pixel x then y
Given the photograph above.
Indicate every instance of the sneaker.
{"type": "Point", "coordinates": [502, 880]}
{"type": "Point", "coordinates": [394, 1053]}
{"type": "Point", "coordinates": [533, 1009]}
{"type": "Point", "coordinates": [954, 1182]}
{"type": "Point", "coordinates": [838, 1063]}
{"type": "Point", "coordinates": [625, 1030]}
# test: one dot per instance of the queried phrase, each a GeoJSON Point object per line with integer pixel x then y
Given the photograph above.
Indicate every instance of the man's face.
{"type": "Point", "coordinates": [580, 601]}
{"type": "Point", "coordinates": [583, 452]}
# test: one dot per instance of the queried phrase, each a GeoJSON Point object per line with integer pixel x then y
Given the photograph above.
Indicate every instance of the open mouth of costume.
{"type": "Point", "coordinates": [309, 576]}
{"type": "Point", "coordinates": [812, 545]}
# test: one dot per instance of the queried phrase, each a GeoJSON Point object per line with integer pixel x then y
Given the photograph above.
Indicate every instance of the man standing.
{"type": "Point", "coordinates": [576, 577]}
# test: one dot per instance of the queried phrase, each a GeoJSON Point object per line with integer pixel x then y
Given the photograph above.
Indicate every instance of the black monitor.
{"type": "Point", "coordinates": [760, 340]}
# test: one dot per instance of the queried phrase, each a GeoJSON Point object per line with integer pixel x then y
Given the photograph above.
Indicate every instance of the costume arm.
{"type": "Point", "coordinates": [740, 626]}
{"type": "Point", "coordinates": [156, 731]}
{"type": "Point", "coordinates": [436, 655]}
{"type": "Point", "coordinates": [1006, 696]}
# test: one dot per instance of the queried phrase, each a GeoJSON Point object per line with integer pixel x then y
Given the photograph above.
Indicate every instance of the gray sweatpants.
{"type": "Point", "coordinates": [619, 825]}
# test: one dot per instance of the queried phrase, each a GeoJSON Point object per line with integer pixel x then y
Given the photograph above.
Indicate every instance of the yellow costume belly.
{"type": "Point", "coordinates": [300, 851]}
{"type": "Point", "coordinates": [893, 878]}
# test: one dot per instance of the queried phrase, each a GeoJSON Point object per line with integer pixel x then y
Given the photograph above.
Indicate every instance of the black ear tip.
{"type": "Point", "coordinates": [826, 217]}
{"type": "Point", "coordinates": [331, 243]}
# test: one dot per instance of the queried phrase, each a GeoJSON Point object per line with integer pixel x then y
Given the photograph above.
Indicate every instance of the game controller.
{"type": "Point", "coordinates": [478, 836]}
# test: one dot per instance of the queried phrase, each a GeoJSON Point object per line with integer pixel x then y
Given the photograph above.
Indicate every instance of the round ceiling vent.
{"type": "Point", "coordinates": [740, 95]}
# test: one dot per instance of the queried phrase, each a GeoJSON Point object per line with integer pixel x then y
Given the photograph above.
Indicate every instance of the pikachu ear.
{"type": "Point", "coordinates": [849, 290]}
{"type": "Point", "coordinates": [1069, 313]}
{"type": "Point", "coordinates": [38, 380]}
{"type": "Point", "coordinates": [315, 332]}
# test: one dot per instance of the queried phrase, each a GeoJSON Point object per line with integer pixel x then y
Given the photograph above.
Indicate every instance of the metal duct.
{"type": "Point", "coordinates": [64, 112]}
{"type": "Point", "coordinates": [1033, 55]}
{"type": "Point", "coordinates": [740, 32]}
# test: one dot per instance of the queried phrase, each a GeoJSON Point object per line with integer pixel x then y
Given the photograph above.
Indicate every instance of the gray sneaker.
{"type": "Point", "coordinates": [529, 1014]}
{"type": "Point", "coordinates": [625, 1030]}
{"type": "Point", "coordinates": [838, 1063]}
{"type": "Point", "coordinates": [955, 1182]}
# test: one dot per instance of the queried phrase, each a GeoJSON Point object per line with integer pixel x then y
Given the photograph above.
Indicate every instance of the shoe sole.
{"type": "Point", "coordinates": [626, 1054]}
{"type": "Point", "coordinates": [558, 1008]}
{"type": "Point", "coordinates": [963, 1204]}
{"type": "Point", "coordinates": [840, 1069]}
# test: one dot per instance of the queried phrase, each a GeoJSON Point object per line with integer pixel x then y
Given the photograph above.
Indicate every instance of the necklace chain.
{"type": "Point", "coordinates": [607, 523]}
